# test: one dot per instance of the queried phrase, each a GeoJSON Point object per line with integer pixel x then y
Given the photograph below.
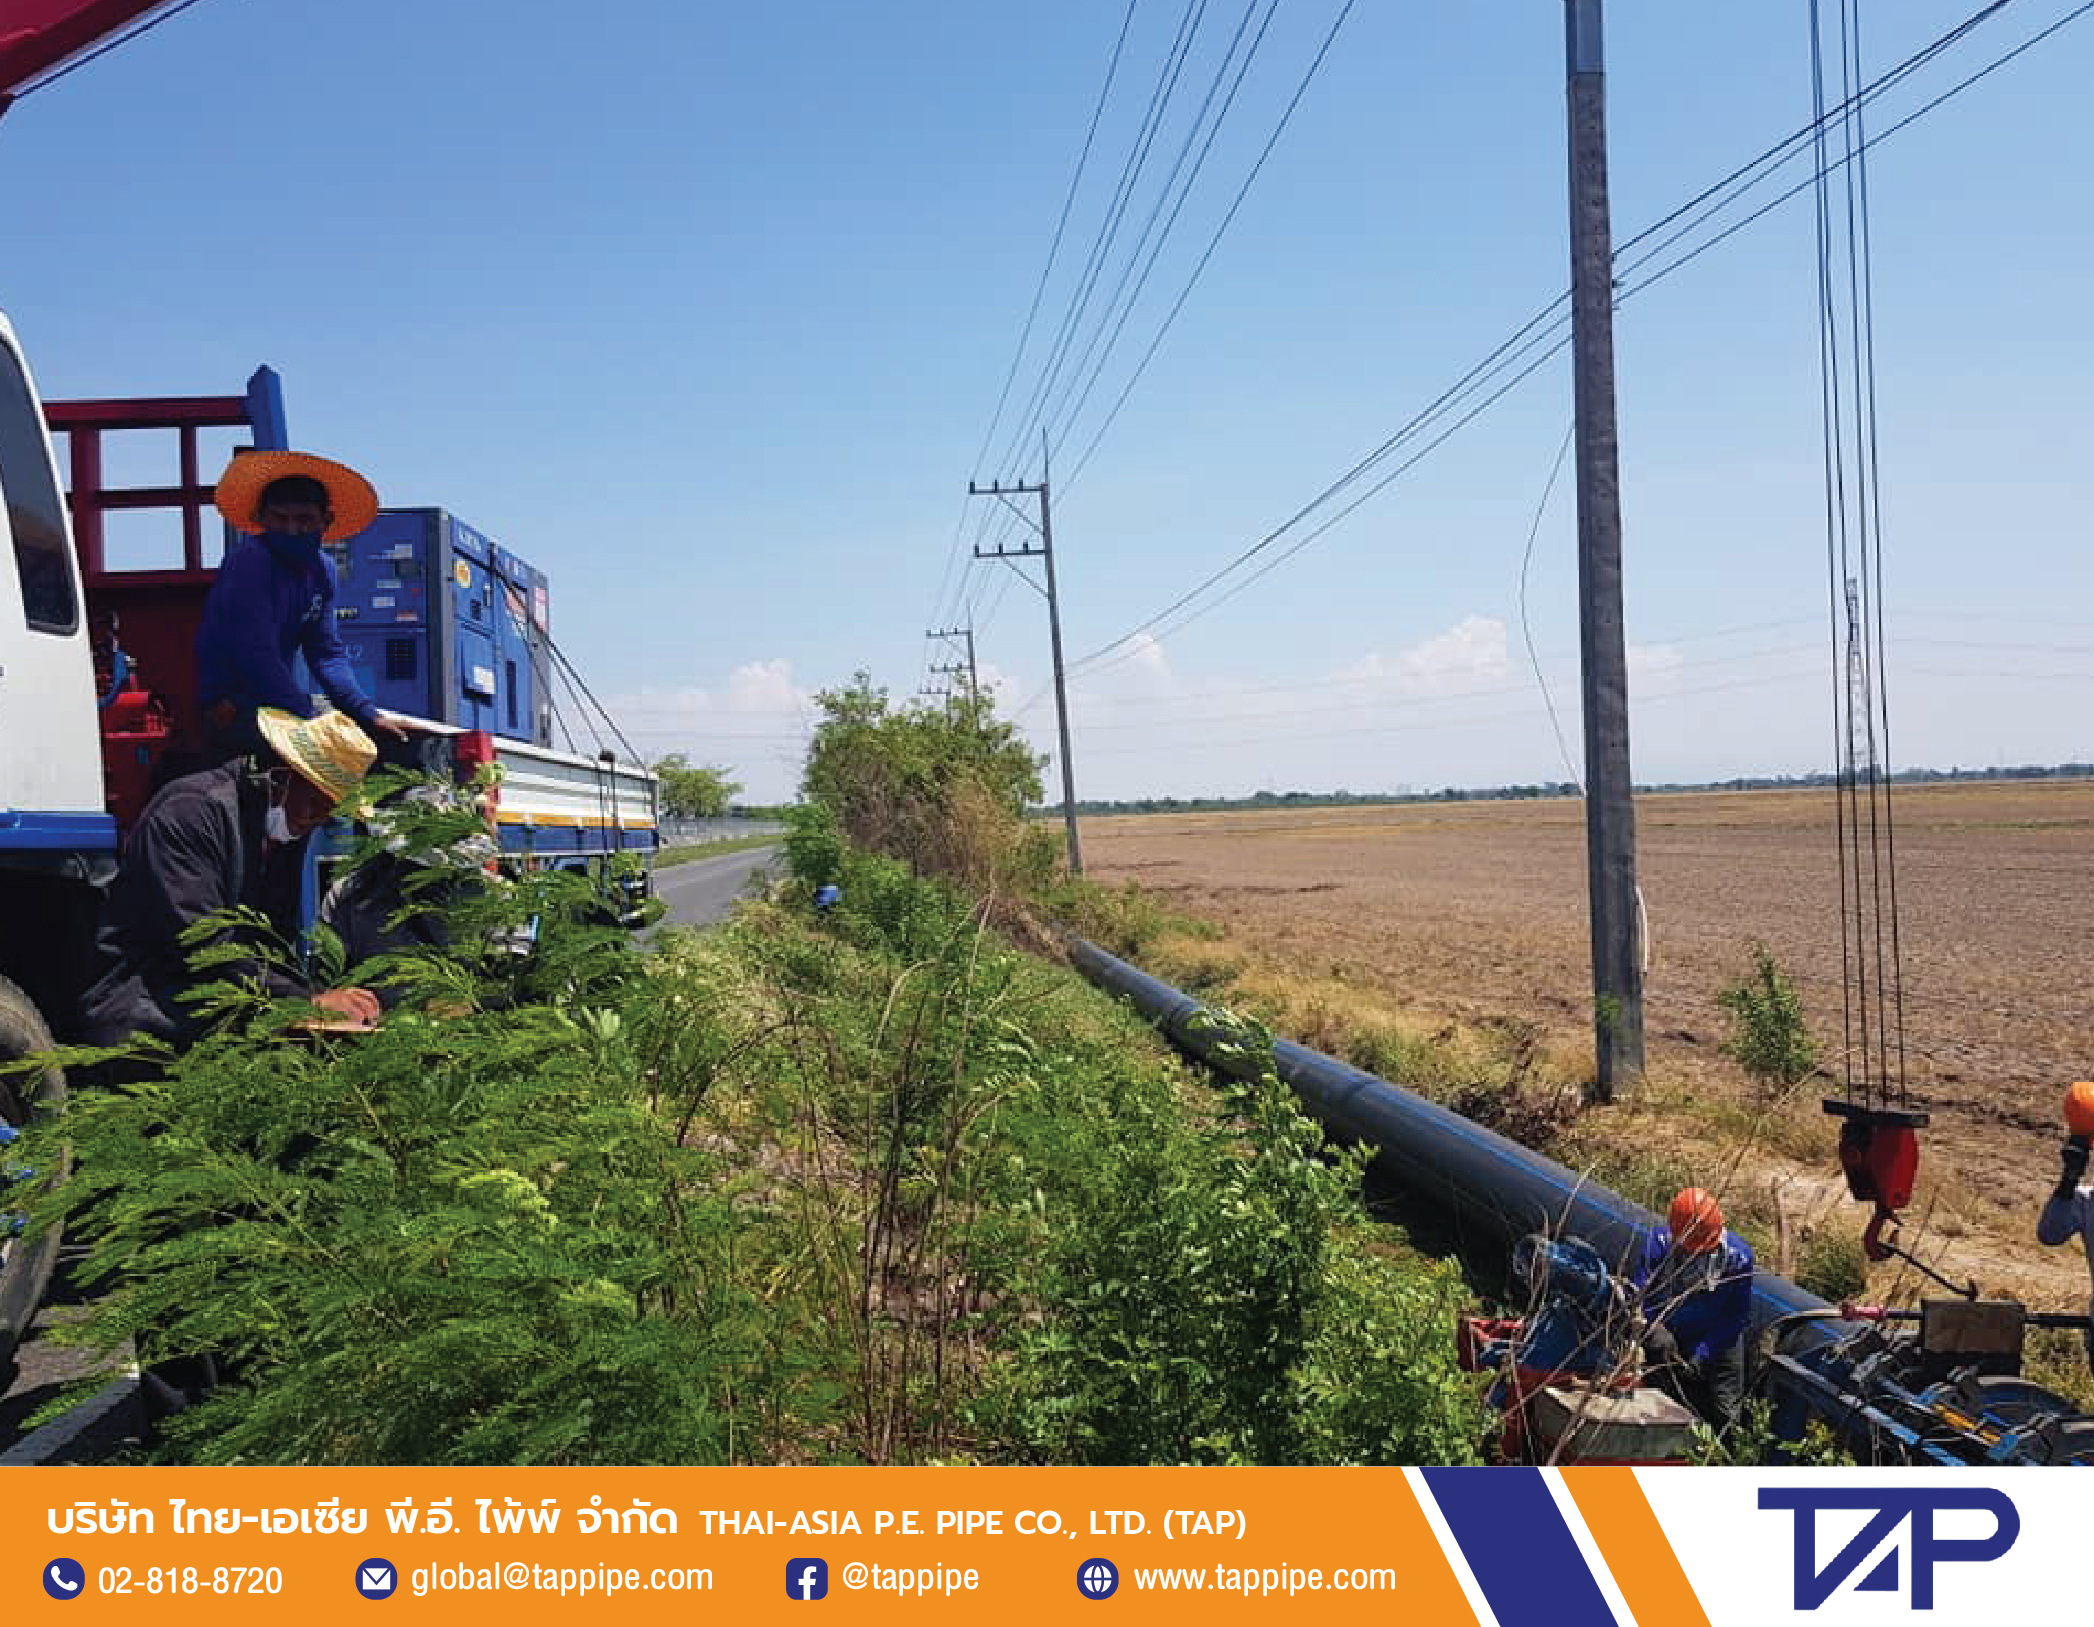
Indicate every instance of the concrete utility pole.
{"type": "Point", "coordinates": [974, 681]}
{"type": "Point", "coordinates": [1610, 808]}
{"type": "Point", "coordinates": [1045, 553]}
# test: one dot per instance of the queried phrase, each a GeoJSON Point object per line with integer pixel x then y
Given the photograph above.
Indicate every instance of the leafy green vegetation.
{"type": "Point", "coordinates": [1769, 1034]}
{"type": "Point", "coordinates": [692, 791]}
{"type": "Point", "coordinates": [864, 1185]}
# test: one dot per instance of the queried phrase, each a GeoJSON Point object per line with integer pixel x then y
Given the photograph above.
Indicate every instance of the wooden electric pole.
{"type": "Point", "coordinates": [1045, 554]}
{"type": "Point", "coordinates": [1610, 808]}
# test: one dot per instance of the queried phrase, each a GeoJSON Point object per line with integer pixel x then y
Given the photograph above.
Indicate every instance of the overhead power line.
{"type": "Point", "coordinates": [1061, 407]}
{"type": "Point", "coordinates": [1083, 157]}
{"type": "Point", "coordinates": [1108, 231]}
{"type": "Point", "coordinates": [1214, 242]}
{"type": "Point", "coordinates": [1541, 330]}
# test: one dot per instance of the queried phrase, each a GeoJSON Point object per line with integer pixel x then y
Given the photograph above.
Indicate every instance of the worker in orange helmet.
{"type": "Point", "coordinates": [1695, 1286]}
{"type": "Point", "coordinates": [2070, 1211]}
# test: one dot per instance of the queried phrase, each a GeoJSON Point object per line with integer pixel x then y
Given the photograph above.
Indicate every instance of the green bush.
{"type": "Point", "coordinates": [1832, 1266]}
{"type": "Point", "coordinates": [1769, 1035]}
{"type": "Point", "coordinates": [813, 844]}
{"type": "Point", "coordinates": [460, 1239]}
{"type": "Point", "coordinates": [863, 1187]}
{"type": "Point", "coordinates": [941, 788]}
{"type": "Point", "coordinates": [1199, 1302]}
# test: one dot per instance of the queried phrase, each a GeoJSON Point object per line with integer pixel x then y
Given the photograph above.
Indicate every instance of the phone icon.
{"type": "Point", "coordinates": [64, 1578]}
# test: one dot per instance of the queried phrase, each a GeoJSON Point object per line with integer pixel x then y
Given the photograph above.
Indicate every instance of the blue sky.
{"type": "Point", "coordinates": [706, 313]}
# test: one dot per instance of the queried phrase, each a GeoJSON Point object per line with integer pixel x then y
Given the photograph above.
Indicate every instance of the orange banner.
{"type": "Point", "coordinates": [317, 1546]}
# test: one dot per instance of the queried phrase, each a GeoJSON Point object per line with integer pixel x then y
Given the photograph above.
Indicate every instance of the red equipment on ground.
{"type": "Point", "coordinates": [1552, 1416]}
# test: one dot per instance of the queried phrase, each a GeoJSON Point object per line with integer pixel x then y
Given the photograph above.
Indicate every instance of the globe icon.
{"type": "Point", "coordinates": [1098, 1579]}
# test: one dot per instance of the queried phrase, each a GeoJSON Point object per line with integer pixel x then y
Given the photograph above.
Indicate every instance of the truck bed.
{"type": "Point", "coordinates": [558, 804]}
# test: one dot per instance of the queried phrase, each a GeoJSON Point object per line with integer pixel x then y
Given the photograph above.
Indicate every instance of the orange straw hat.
{"type": "Point", "coordinates": [2079, 1108]}
{"type": "Point", "coordinates": [330, 750]}
{"type": "Point", "coordinates": [240, 489]}
{"type": "Point", "coordinates": [1696, 1219]}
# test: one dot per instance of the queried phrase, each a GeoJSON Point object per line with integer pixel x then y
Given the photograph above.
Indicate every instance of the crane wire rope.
{"type": "Point", "coordinates": [1854, 567]}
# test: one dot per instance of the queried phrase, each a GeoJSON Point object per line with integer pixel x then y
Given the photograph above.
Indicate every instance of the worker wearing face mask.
{"type": "Point", "coordinates": [229, 836]}
{"type": "Point", "coordinates": [274, 597]}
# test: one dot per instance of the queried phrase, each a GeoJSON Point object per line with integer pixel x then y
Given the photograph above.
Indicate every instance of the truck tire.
{"type": "Point", "coordinates": [25, 1262]}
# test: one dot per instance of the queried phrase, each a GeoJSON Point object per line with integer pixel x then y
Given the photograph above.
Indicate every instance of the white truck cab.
{"type": "Point", "coordinates": [57, 843]}
{"type": "Point", "coordinates": [50, 756]}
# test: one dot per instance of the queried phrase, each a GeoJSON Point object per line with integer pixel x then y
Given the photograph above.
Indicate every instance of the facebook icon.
{"type": "Point", "coordinates": [807, 1578]}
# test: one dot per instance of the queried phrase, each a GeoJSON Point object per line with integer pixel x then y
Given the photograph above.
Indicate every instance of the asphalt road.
{"type": "Point", "coordinates": [703, 891]}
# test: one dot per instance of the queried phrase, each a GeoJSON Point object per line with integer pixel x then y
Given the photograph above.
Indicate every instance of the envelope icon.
{"type": "Point", "coordinates": [377, 1578]}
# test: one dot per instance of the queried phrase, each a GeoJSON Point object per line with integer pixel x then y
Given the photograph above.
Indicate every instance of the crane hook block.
{"type": "Point", "coordinates": [1879, 1152]}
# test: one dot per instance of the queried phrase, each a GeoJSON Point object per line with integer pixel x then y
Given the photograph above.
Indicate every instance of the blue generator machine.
{"type": "Point", "coordinates": [441, 623]}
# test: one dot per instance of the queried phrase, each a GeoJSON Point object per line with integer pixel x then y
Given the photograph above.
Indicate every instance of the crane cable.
{"type": "Point", "coordinates": [1854, 565]}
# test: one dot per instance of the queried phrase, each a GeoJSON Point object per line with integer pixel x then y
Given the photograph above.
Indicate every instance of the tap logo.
{"type": "Point", "coordinates": [1889, 1509]}
{"type": "Point", "coordinates": [806, 1579]}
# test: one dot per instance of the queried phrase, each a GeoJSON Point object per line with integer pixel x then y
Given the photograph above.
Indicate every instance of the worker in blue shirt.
{"type": "Point", "coordinates": [2069, 1212]}
{"type": "Point", "coordinates": [275, 596]}
{"type": "Point", "coordinates": [1695, 1282]}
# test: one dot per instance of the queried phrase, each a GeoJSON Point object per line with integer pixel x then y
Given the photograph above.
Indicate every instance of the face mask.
{"type": "Point", "coordinates": [277, 824]}
{"type": "Point", "coordinates": [293, 545]}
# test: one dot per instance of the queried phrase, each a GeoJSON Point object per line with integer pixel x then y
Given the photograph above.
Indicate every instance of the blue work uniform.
{"type": "Point", "coordinates": [2070, 1214]}
{"type": "Point", "coordinates": [1705, 1302]}
{"type": "Point", "coordinates": [275, 595]}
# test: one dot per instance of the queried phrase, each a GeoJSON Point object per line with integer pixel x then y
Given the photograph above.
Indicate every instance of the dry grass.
{"type": "Point", "coordinates": [1450, 940]}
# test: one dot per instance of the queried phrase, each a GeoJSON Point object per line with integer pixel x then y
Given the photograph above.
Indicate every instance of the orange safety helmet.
{"type": "Point", "coordinates": [2079, 1108]}
{"type": "Point", "coordinates": [1696, 1219]}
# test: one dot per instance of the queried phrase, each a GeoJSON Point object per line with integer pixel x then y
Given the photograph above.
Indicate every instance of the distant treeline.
{"type": "Point", "coordinates": [1560, 788]}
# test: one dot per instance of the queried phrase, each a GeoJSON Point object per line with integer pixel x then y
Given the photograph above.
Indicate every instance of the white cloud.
{"type": "Point", "coordinates": [1144, 652]}
{"type": "Point", "coordinates": [1472, 651]}
{"type": "Point", "coordinates": [755, 722]}
{"type": "Point", "coordinates": [1653, 667]}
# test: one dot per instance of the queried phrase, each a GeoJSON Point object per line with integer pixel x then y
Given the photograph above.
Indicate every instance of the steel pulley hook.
{"type": "Point", "coordinates": [1879, 1248]}
{"type": "Point", "coordinates": [1872, 1243]}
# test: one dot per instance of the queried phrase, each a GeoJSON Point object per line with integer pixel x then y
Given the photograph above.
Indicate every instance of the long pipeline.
{"type": "Point", "coordinates": [1495, 1190]}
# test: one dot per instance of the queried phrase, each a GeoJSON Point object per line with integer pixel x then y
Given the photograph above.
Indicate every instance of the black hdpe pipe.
{"type": "Point", "coordinates": [1494, 1190]}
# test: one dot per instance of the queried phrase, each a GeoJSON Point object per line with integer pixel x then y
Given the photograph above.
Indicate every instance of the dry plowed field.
{"type": "Point", "coordinates": [1477, 910]}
